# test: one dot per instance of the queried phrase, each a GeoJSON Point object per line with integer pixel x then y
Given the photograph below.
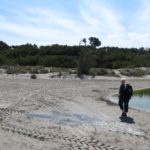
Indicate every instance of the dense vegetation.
{"type": "Point", "coordinates": [74, 56]}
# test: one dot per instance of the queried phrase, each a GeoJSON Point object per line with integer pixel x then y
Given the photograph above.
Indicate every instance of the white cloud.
{"type": "Point", "coordinates": [95, 18]}
{"type": "Point", "coordinates": [116, 35]}
{"type": "Point", "coordinates": [100, 16]}
{"type": "Point", "coordinates": [130, 39]}
{"type": "Point", "coordinates": [55, 25]}
{"type": "Point", "coordinates": [42, 25]}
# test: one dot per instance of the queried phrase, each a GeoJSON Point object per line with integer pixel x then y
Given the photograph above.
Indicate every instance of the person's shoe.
{"type": "Point", "coordinates": [123, 114]}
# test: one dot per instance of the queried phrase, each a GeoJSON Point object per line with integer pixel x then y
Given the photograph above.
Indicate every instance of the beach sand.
{"type": "Point", "coordinates": [69, 115]}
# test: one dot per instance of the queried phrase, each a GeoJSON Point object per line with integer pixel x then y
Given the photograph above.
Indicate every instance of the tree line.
{"type": "Point", "coordinates": [82, 56]}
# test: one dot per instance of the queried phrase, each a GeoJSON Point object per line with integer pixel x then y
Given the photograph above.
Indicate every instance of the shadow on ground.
{"type": "Point", "coordinates": [129, 120]}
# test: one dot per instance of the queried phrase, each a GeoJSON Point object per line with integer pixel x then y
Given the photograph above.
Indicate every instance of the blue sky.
{"type": "Point", "coordinates": [123, 23]}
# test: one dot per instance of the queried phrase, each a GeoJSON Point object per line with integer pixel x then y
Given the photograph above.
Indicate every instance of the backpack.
{"type": "Point", "coordinates": [128, 91]}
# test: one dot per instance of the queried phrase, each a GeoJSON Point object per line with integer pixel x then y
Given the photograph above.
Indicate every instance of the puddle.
{"type": "Point", "coordinates": [60, 118]}
{"type": "Point", "coordinates": [140, 99]}
{"type": "Point", "coordinates": [86, 122]}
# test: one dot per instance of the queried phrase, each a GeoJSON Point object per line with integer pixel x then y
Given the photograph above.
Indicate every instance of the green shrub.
{"type": "Point", "coordinates": [102, 72]}
{"type": "Point", "coordinates": [44, 71]}
{"type": "Point", "coordinates": [133, 72]}
{"type": "Point", "coordinates": [11, 71]}
{"type": "Point", "coordinates": [27, 61]}
{"type": "Point", "coordinates": [72, 71]}
{"type": "Point", "coordinates": [86, 61]}
{"type": "Point", "coordinates": [23, 71]}
{"type": "Point", "coordinates": [33, 76]}
{"type": "Point", "coordinates": [58, 61]}
{"type": "Point", "coordinates": [1, 60]}
{"type": "Point", "coordinates": [59, 74]}
{"type": "Point", "coordinates": [34, 71]}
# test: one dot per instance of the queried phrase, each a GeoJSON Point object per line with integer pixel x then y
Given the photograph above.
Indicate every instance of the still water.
{"type": "Point", "coordinates": [64, 118]}
{"type": "Point", "coordinates": [140, 99]}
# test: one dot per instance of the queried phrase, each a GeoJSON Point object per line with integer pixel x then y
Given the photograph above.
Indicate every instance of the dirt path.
{"type": "Point", "coordinates": [68, 115]}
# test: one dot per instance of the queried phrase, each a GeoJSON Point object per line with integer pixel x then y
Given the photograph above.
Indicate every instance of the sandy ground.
{"type": "Point", "coordinates": [69, 115]}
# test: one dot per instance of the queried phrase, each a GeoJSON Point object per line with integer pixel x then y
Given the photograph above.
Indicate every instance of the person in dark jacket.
{"type": "Point", "coordinates": [124, 97]}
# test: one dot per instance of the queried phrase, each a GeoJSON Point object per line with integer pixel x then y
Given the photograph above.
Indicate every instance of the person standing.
{"type": "Point", "coordinates": [125, 93]}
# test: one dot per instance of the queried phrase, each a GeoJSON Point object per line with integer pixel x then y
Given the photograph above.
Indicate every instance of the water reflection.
{"type": "Point", "coordinates": [140, 99]}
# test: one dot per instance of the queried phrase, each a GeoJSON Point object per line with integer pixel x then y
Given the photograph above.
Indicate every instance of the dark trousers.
{"type": "Point", "coordinates": [123, 103]}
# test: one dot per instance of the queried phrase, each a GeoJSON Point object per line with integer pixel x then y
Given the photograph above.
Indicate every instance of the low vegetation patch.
{"type": "Point", "coordinates": [33, 76]}
{"type": "Point", "coordinates": [102, 72]}
{"type": "Point", "coordinates": [81, 70]}
{"type": "Point", "coordinates": [142, 92]}
{"type": "Point", "coordinates": [136, 72]}
{"type": "Point", "coordinates": [43, 71]}
{"type": "Point", "coordinates": [15, 70]}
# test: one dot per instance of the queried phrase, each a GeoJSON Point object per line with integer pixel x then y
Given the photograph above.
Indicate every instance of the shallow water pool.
{"type": "Point", "coordinates": [140, 99]}
{"type": "Point", "coordinates": [63, 118]}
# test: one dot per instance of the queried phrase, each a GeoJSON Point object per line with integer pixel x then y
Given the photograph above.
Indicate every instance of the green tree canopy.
{"type": "Point", "coordinates": [95, 42]}
{"type": "Point", "coordinates": [3, 46]}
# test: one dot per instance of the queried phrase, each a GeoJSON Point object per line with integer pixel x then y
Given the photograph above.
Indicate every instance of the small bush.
{"type": "Point", "coordinates": [85, 62]}
{"type": "Point", "coordinates": [11, 71]}
{"type": "Point", "coordinates": [33, 76]}
{"type": "Point", "coordinates": [72, 71]}
{"type": "Point", "coordinates": [34, 71]}
{"type": "Point", "coordinates": [59, 74]}
{"type": "Point", "coordinates": [58, 69]}
{"type": "Point", "coordinates": [43, 71]}
{"type": "Point", "coordinates": [102, 72]}
{"type": "Point", "coordinates": [139, 73]}
{"type": "Point", "coordinates": [134, 72]}
{"type": "Point", "coordinates": [23, 71]}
